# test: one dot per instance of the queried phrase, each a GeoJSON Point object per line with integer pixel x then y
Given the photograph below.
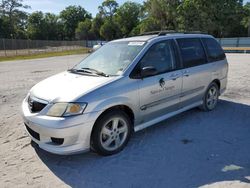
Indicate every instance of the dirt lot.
{"type": "Point", "coordinates": [194, 149]}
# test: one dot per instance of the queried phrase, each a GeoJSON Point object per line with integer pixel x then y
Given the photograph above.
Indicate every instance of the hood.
{"type": "Point", "coordinates": [67, 87]}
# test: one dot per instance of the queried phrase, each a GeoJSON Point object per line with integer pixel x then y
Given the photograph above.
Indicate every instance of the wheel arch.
{"type": "Point", "coordinates": [217, 81]}
{"type": "Point", "coordinates": [123, 108]}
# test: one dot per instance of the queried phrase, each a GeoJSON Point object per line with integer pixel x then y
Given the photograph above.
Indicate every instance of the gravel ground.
{"type": "Point", "coordinates": [193, 149]}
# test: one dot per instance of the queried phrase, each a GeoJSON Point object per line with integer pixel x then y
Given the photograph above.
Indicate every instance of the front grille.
{"type": "Point", "coordinates": [33, 133]}
{"type": "Point", "coordinates": [35, 106]}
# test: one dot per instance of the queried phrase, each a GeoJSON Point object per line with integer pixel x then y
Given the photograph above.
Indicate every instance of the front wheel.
{"type": "Point", "coordinates": [111, 133]}
{"type": "Point", "coordinates": [211, 97]}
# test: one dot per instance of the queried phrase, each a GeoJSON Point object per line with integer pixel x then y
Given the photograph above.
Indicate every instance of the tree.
{"type": "Point", "coordinates": [53, 26]}
{"type": "Point", "coordinates": [44, 26]}
{"type": "Point", "coordinates": [20, 26]}
{"type": "Point", "coordinates": [13, 16]}
{"type": "Point", "coordinates": [71, 16]}
{"type": "Point", "coordinates": [36, 26]}
{"type": "Point", "coordinates": [192, 16]}
{"type": "Point", "coordinates": [246, 19]}
{"type": "Point", "coordinates": [224, 18]}
{"type": "Point", "coordinates": [128, 17]}
{"type": "Point", "coordinates": [108, 8]}
{"type": "Point", "coordinates": [97, 23]}
{"type": "Point", "coordinates": [163, 13]}
{"type": "Point", "coordinates": [83, 31]}
{"type": "Point", "coordinates": [220, 18]}
{"type": "Point", "coordinates": [147, 25]}
{"type": "Point", "coordinates": [4, 27]}
{"type": "Point", "coordinates": [2, 32]}
{"type": "Point", "coordinates": [109, 30]}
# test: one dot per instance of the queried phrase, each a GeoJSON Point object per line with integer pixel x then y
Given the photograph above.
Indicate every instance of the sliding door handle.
{"type": "Point", "coordinates": [174, 76]}
{"type": "Point", "coordinates": [186, 73]}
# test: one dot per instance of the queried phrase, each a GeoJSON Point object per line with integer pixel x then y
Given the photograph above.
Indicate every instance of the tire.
{"type": "Point", "coordinates": [210, 98]}
{"type": "Point", "coordinates": [111, 133]}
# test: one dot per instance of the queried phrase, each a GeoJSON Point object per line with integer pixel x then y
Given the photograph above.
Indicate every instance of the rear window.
{"type": "Point", "coordinates": [192, 52]}
{"type": "Point", "coordinates": [214, 50]}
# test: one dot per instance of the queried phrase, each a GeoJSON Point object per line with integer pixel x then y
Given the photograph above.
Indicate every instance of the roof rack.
{"type": "Point", "coordinates": [159, 32]}
{"type": "Point", "coordinates": [165, 32]}
{"type": "Point", "coordinates": [195, 32]}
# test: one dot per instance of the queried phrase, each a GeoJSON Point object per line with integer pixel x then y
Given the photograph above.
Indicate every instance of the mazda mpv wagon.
{"type": "Point", "coordinates": [123, 87]}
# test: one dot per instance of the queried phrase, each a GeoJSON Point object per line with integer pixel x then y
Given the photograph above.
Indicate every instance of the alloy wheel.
{"type": "Point", "coordinates": [113, 134]}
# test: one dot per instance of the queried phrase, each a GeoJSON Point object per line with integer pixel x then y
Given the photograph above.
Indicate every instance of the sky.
{"type": "Point", "coordinates": [56, 6]}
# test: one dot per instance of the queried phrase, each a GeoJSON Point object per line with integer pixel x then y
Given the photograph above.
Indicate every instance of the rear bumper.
{"type": "Point", "coordinates": [223, 85]}
{"type": "Point", "coordinates": [74, 132]}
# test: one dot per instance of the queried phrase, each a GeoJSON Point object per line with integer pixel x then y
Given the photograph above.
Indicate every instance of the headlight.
{"type": "Point", "coordinates": [66, 109]}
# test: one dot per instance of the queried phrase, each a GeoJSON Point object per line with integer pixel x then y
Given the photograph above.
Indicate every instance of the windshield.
{"type": "Point", "coordinates": [112, 58]}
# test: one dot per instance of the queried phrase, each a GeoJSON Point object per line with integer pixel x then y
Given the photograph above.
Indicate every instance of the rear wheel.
{"type": "Point", "coordinates": [210, 98]}
{"type": "Point", "coordinates": [111, 133]}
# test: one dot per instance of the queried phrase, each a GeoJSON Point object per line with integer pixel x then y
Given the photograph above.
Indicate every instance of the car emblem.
{"type": "Point", "coordinates": [162, 82]}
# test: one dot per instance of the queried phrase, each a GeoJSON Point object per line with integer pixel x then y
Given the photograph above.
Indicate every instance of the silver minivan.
{"type": "Point", "coordinates": [123, 87]}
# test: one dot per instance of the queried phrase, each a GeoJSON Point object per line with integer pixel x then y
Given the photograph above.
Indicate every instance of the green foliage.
{"type": "Point", "coordinates": [97, 23]}
{"type": "Point", "coordinates": [109, 30]}
{"type": "Point", "coordinates": [224, 18]}
{"type": "Point", "coordinates": [13, 19]}
{"type": "Point", "coordinates": [128, 17]}
{"type": "Point", "coordinates": [44, 26]}
{"type": "Point", "coordinates": [53, 27]}
{"type": "Point", "coordinates": [149, 24]}
{"type": "Point", "coordinates": [36, 26]}
{"type": "Point", "coordinates": [4, 27]}
{"type": "Point", "coordinates": [246, 19]}
{"type": "Point", "coordinates": [83, 31]}
{"type": "Point", "coordinates": [220, 18]}
{"type": "Point", "coordinates": [108, 8]}
{"type": "Point", "coordinates": [71, 16]}
{"type": "Point", "coordinates": [163, 13]}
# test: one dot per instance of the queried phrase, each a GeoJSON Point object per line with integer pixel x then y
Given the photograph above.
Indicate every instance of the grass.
{"type": "Point", "coordinates": [44, 55]}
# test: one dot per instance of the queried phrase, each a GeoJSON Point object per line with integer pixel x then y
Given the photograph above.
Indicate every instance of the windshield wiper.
{"type": "Point", "coordinates": [89, 71]}
{"type": "Point", "coordinates": [93, 71]}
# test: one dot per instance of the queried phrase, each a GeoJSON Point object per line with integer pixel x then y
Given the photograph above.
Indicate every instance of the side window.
{"type": "Point", "coordinates": [214, 50]}
{"type": "Point", "coordinates": [161, 56]}
{"type": "Point", "coordinates": [192, 52]}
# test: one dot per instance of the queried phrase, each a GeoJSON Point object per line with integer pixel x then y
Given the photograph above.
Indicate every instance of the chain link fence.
{"type": "Point", "coordinates": [235, 45]}
{"type": "Point", "coordinates": [15, 47]}
{"type": "Point", "coordinates": [235, 42]}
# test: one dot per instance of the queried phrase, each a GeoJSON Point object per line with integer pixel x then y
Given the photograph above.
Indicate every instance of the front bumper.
{"type": "Point", "coordinates": [74, 131]}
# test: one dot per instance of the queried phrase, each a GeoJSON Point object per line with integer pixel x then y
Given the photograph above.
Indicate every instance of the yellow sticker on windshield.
{"type": "Point", "coordinates": [136, 43]}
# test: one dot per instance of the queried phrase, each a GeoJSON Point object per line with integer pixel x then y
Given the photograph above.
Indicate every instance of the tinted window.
{"type": "Point", "coordinates": [161, 56]}
{"type": "Point", "coordinates": [214, 50]}
{"type": "Point", "coordinates": [192, 52]}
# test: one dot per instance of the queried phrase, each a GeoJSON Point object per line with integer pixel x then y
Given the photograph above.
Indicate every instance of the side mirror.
{"type": "Point", "coordinates": [148, 71]}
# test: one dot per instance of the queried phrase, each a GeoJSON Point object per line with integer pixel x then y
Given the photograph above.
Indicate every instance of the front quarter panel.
{"type": "Point", "coordinates": [123, 91]}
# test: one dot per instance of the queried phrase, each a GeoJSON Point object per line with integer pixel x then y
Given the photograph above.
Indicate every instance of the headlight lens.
{"type": "Point", "coordinates": [66, 109]}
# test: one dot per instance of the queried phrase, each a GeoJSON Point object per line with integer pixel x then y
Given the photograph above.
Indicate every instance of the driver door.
{"type": "Point", "coordinates": [160, 93]}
